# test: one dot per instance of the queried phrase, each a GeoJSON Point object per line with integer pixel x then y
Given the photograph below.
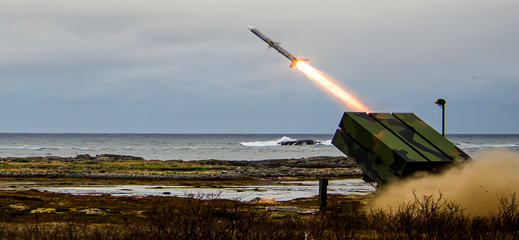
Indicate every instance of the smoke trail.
{"type": "Point", "coordinates": [329, 86]}
{"type": "Point", "coordinates": [476, 185]}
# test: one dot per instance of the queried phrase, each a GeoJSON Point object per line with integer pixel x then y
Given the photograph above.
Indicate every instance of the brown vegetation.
{"type": "Point", "coordinates": [106, 166]}
{"type": "Point", "coordinates": [42, 215]}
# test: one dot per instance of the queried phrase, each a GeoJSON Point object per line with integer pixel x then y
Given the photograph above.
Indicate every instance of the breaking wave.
{"type": "Point", "coordinates": [277, 142]}
{"type": "Point", "coordinates": [468, 145]}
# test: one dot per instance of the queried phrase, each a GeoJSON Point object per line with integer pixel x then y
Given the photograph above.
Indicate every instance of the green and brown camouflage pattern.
{"type": "Point", "coordinates": [390, 146]}
{"type": "Point", "coordinates": [411, 138]}
{"type": "Point", "coordinates": [363, 158]}
{"type": "Point", "coordinates": [427, 132]}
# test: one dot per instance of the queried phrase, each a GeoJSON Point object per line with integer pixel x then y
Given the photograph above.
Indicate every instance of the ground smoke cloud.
{"type": "Point", "coordinates": [476, 186]}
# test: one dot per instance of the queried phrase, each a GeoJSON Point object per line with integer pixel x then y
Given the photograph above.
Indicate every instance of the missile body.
{"type": "Point", "coordinates": [276, 46]}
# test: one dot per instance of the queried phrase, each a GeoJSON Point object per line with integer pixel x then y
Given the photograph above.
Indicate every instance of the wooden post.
{"type": "Point", "coordinates": [323, 192]}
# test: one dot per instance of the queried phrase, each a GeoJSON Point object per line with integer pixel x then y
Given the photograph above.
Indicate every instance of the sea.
{"type": "Point", "coordinates": [205, 146]}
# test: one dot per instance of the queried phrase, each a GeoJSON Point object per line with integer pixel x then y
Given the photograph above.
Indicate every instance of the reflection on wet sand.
{"type": "Point", "coordinates": [280, 190]}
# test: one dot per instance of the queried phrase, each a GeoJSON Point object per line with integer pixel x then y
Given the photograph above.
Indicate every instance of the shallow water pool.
{"type": "Point", "coordinates": [281, 191]}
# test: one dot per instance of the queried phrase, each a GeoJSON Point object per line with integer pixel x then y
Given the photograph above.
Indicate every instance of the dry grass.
{"type": "Point", "coordinates": [207, 217]}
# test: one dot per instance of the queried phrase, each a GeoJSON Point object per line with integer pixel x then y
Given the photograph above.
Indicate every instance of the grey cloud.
{"type": "Point", "coordinates": [192, 66]}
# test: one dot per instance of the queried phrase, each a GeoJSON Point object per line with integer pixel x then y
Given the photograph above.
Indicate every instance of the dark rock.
{"type": "Point", "coordinates": [311, 162]}
{"type": "Point", "coordinates": [299, 142]}
{"type": "Point", "coordinates": [84, 157]}
{"type": "Point", "coordinates": [118, 157]}
{"type": "Point", "coordinates": [22, 160]}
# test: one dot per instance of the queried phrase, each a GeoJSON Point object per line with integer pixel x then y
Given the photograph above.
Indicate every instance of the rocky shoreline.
{"type": "Point", "coordinates": [304, 168]}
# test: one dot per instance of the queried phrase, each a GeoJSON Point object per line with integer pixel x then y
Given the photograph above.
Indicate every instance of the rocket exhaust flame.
{"type": "Point", "coordinates": [313, 74]}
{"type": "Point", "coordinates": [348, 99]}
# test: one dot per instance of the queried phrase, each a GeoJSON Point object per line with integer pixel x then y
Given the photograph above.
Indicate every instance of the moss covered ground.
{"type": "Point", "coordinates": [39, 164]}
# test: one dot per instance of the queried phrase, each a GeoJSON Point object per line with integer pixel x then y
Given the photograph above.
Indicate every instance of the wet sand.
{"type": "Point", "coordinates": [242, 191]}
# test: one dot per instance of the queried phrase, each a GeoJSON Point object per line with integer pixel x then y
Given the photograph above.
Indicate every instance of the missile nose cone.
{"type": "Point", "coordinates": [250, 27]}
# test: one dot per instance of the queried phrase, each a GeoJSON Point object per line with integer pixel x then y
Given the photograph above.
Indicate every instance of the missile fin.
{"type": "Point", "coordinates": [293, 64]}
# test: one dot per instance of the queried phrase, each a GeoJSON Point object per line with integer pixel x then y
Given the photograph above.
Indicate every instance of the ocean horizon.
{"type": "Point", "coordinates": [197, 146]}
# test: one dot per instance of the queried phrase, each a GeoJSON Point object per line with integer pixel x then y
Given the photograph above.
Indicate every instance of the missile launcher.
{"type": "Point", "coordinates": [392, 146]}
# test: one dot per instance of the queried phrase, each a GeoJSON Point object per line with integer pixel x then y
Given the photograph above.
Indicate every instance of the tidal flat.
{"type": "Point", "coordinates": [282, 179]}
{"type": "Point", "coordinates": [47, 195]}
{"type": "Point", "coordinates": [278, 190]}
{"type": "Point", "coordinates": [106, 166]}
{"type": "Point", "coordinates": [34, 203]}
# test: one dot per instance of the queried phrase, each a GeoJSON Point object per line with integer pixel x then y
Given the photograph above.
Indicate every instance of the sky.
{"type": "Point", "coordinates": [127, 66]}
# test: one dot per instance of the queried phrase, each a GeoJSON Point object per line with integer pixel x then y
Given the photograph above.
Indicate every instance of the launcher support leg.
{"type": "Point", "coordinates": [323, 193]}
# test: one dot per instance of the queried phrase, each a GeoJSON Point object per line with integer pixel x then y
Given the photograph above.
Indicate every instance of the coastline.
{"type": "Point", "coordinates": [123, 167]}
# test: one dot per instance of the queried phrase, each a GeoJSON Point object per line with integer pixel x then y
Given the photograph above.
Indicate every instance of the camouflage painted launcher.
{"type": "Point", "coordinates": [389, 146]}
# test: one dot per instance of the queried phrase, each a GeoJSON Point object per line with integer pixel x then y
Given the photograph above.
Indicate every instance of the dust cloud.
{"type": "Point", "coordinates": [475, 185]}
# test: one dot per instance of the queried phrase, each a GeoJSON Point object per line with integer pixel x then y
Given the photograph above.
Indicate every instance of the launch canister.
{"type": "Point", "coordinates": [276, 46]}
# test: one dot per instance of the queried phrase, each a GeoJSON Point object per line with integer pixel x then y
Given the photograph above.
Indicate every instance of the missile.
{"type": "Point", "coordinates": [276, 46]}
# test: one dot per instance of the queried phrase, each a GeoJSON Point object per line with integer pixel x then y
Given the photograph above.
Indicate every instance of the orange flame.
{"type": "Point", "coordinates": [314, 75]}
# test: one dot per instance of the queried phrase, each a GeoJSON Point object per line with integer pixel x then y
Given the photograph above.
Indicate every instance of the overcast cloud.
{"type": "Point", "coordinates": [194, 67]}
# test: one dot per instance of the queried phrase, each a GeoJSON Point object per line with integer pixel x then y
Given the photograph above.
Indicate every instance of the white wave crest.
{"type": "Point", "coordinates": [269, 143]}
{"type": "Point", "coordinates": [276, 142]}
{"type": "Point", "coordinates": [326, 143]}
{"type": "Point", "coordinates": [467, 145]}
